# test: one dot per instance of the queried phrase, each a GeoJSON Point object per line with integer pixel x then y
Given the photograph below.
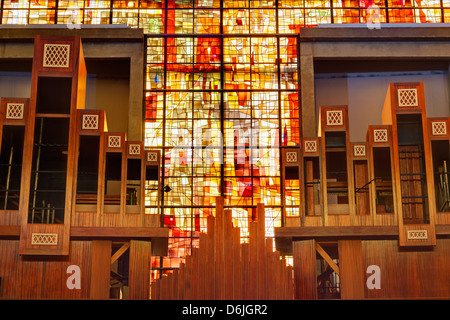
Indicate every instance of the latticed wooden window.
{"type": "Point", "coordinates": [114, 142]}
{"type": "Point", "coordinates": [134, 149]}
{"type": "Point", "coordinates": [380, 135]}
{"type": "Point", "coordinates": [310, 146]}
{"type": "Point", "coordinates": [438, 128]}
{"type": "Point", "coordinates": [359, 150]}
{"type": "Point", "coordinates": [335, 118]}
{"type": "Point", "coordinates": [14, 111]}
{"type": "Point", "coordinates": [407, 98]}
{"type": "Point", "coordinates": [48, 239]}
{"type": "Point", "coordinates": [56, 55]}
{"type": "Point", "coordinates": [90, 122]}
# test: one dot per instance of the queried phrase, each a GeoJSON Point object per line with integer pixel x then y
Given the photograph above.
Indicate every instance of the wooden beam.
{"type": "Point", "coordinates": [119, 252]}
{"type": "Point", "coordinates": [118, 232]}
{"type": "Point", "coordinates": [327, 258]}
{"type": "Point", "coordinates": [336, 231]}
{"type": "Point", "coordinates": [10, 231]}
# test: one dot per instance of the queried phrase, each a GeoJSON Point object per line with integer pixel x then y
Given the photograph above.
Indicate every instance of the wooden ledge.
{"type": "Point", "coordinates": [336, 231]}
{"type": "Point", "coordinates": [347, 231]}
{"type": "Point", "coordinates": [9, 231]}
{"type": "Point", "coordinates": [100, 232]}
{"type": "Point", "coordinates": [118, 232]}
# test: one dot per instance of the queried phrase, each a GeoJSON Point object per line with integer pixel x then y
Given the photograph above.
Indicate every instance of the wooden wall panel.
{"type": "Point", "coordinates": [32, 278]}
{"type": "Point", "coordinates": [26, 240]}
{"type": "Point", "coordinates": [80, 255]}
{"type": "Point", "coordinates": [132, 220]}
{"type": "Point", "coordinates": [9, 218]}
{"type": "Point", "coordinates": [83, 219]}
{"type": "Point", "coordinates": [139, 270]}
{"type": "Point", "coordinates": [111, 219]}
{"type": "Point", "coordinates": [100, 269]}
{"type": "Point", "coordinates": [10, 269]}
{"type": "Point", "coordinates": [351, 269]}
{"type": "Point", "coordinates": [305, 273]}
{"type": "Point", "coordinates": [443, 218]}
{"type": "Point", "coordinates": [43, 277]}
{"type": "Point", "coordinates": [410, 273]}
{"type": "Point", "coordinates": [362, 197]}
{"type": "Point", "coordinates": [151, 220]}
{"type": "Point", "coordinates": [54, 276]}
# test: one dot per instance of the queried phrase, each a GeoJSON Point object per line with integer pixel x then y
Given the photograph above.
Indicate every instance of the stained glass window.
{"type": "Point", "coordinates": [221, 95]}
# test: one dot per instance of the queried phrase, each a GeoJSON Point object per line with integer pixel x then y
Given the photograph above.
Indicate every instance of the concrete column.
{"type": "Point", "coordinates": [135, 107]}
{"type": "Point", "coordinates": [448, 75]}
{"type": "Point", "coordinates": [309, 122]}
{"type": "Point", "coordinates": [132, 51]}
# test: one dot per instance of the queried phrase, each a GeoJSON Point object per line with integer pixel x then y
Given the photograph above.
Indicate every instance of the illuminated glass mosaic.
{"type": "Point", "coordinates": [221, 94]}
{"type": "Point", "coordinates": [221, 108]}
{"type": "Point", "coordinates": [222, 16]}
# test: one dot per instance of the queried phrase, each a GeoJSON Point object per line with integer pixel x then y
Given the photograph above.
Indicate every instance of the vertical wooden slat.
{"type": "Point", "coordinates": [309, 179]}
{"type": "Point", "coordinates": [202, 260]}
{"type": "Point", "coordinates": [175, 285]}
{"type": "Point", "coordinates": [53, 279]}
{"type": "Point", "coordinates": [181, 283]}
{"type": "Point", "coordinates": [210, 265]}
{"type": "Point", "coordinates": [170, 286]}
{"type": "Point", "coordinates": [139, 270]}
{"type": "Point", "coordinates": [188, 278]}
{"type": "Point", "coordinates": [100, 269]}
{"type": "Point", "coordinates": [245, 270]}
{"type": "Point", "coordinates": [261, 251]}
{"type": "Point", "coordinates": [270, 264]}
{"type": "Point", "coordinates": [351, 269]}
{"type": "Point", "coordinates": [253, 272]}
{"type": "Point", "coordinates": [228, 256]}
{"type": "Point", "coordinates": [194, 276]}
{"type": "Point", "coordinates": [237, 286]}
{"type": "Point", "coordinates": [219, 245]}
{"type": "Point", "coordinates": [277, 275]}
{"type": "Point", "coordinates": [154, 290]}
{"type": "Point", "coordinates": [362, 197]}
{"type": "Point", "coordinates": [163, 287]}
{"type": "Point", "coordinates": [283, 285]}
{"type": "Point", "coordinates": [305, 274]}
{"type": "Point", "coordinates": [32, 279]}
{"type": "Point", "coordinates": [290, 283]}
